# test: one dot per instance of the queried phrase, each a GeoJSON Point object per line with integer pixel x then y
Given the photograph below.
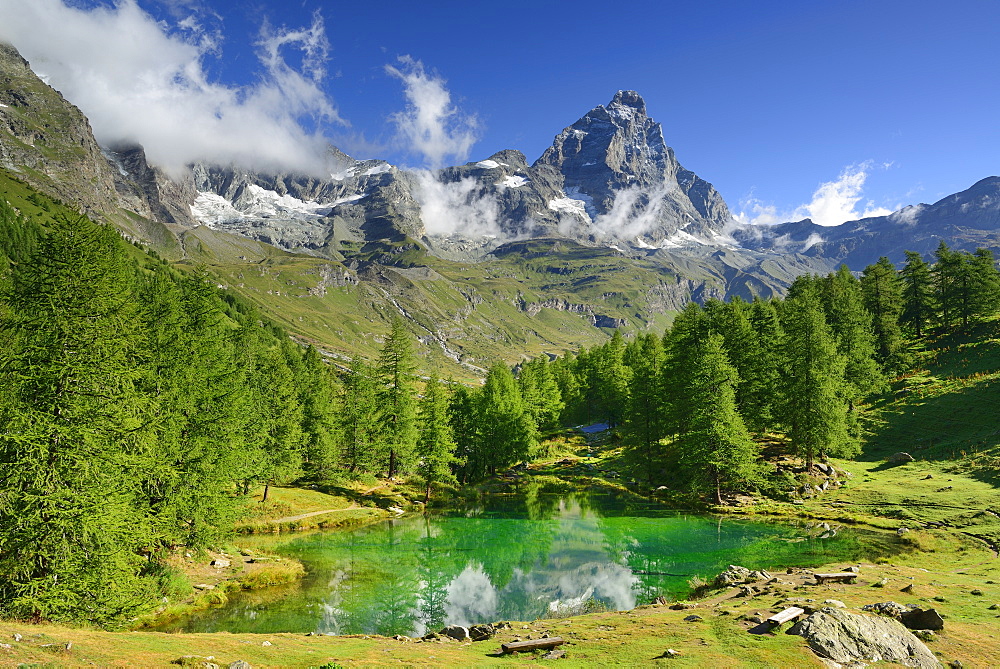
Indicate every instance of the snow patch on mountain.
{"type": "Point", "coordinates": [211, 210]}
{"type": "Point", "coordinates": [513, 181]}
{"type": "Point", "coordinates": [568, 205]}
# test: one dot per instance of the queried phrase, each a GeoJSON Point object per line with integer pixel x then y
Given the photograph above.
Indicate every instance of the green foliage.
{"type": "Point", "coordinates": [716, 452]}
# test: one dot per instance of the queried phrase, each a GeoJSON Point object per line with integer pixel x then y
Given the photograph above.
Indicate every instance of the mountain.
{"type": "Point", "coordinates": [495, 259]}
{"type": "Point", "coordinates": [964, 221]}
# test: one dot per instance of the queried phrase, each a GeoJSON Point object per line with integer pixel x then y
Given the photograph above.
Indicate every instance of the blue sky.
{"type": "Point", "coordinates": [886, 103]}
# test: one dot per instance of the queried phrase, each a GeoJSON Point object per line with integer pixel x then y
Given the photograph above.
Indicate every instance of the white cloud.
{"type": "Point", "coordinates": [431, 125]}
{"type": "Point", "coordinates": [139, 81]}
{"type": "Point", "coordinates": [457, 207]}
{"type": "Point", "coordinates": [833, 202]}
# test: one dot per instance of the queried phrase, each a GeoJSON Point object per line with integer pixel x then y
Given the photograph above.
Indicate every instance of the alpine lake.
{"type": "Point", "coordinates": [515, 557]}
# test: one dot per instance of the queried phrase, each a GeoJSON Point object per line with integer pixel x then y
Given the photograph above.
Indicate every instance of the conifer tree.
{"type": "Point", "coordinates": [644, 418]}
{"type": "Point", "coordinates": [318, 395]}
{"type": "Point", "coordinates": [361, 421]}
{"type": "Point", "coordinates": [396, 368]}
{"type": "Point", "coordinates": [72, 521]}
{"type": "Point", "coordinates": [760, 386]}
{"type": "Point", "coordinates": [680, 342]}
{"type": "Point", "coordinates": [508, 433]}
{"type": "Point", "coordinates": [951, 285]}
{"type": "Point", "coordinates": [436, 443]}
{"type": "Point", "coordinates": [716, 452]}
{"type": "Point", "coordinates": [918, 294]}
{"type": "Point", "coordinates": [470, 450]}
{"type": "Point", "coordinates": [540, 393]}
{"type": "Point", "coordinates": [985, 284]}
{"type": "Point", "coordinates": [813, 402]}
{"type": "Point", "coordinates": [883, 298]}
{"type": "Point", "coordinates": [850, 324]}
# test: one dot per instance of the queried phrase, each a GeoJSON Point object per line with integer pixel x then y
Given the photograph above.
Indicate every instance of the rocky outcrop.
{"type": "Point", "coordinates": [48, 142]}
{"type": "Point", "coordinates": [850, 638]}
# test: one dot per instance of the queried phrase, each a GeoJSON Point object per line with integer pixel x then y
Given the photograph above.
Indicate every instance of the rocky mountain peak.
{"type": "Point", "coordinates": [629, 99]}
{"type": "Point", "coordinates": [615, 162]}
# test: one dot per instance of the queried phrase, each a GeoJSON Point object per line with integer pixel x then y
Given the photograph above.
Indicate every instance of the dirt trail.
{"type": "Point", "coordinates": [292, 519]}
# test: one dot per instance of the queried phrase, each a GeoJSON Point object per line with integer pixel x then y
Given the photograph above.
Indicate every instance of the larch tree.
{"type": "Point", "coordinates": [919, 303]}
{"type": "Point", "coordinates": [716, 451]}
{"type": "Point", "coordinates": [73, 527]}
{"type": "Point", "coordinates": [814, 407]}
{"type": "Point", "coordinates": [436, 442]}
{"type": "Point", "coordinates": [396, 368]}
{"type": "Point", "coordinates": [883, 298]}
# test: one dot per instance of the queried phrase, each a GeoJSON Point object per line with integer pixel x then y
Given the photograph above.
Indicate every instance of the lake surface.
{"type": "Point", "coordinates": [514, 558]}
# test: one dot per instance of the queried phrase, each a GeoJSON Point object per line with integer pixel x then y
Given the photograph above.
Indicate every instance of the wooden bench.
{"type": "Point", "coordinates": [842, 577]}
{"type": "Point", "coordinates": [532, 644]}
{"type": "Point", "coordinates": [786, 615]}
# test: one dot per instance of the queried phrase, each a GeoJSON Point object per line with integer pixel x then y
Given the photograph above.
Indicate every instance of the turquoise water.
{"type": "Point", "coordinates": [514, 558]}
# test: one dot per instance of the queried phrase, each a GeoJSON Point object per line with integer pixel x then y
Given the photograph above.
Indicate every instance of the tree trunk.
{"type": "Point", "coordinates": [267, 487]}
{"type": "Point", "coordinates": [718, 489]}
{"type": "Point", "coordinates": [392, 462]}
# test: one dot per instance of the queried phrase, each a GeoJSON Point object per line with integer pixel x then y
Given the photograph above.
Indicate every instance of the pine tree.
{"type": "Point", "coordinates": [540, 393]}
{"type": "Point", "coordinates": [813, 403]}
{"type": "Point", "coordinates": [318, 395]}
{"type": "Point", "coordinates": [436, 443]}
{"type": "Point", "coordinates": [508, 432]}
{"type": "Point", "coordinates": [716, 453]}
{"type": "Point", "coordinates": [72, 522]}
{"type": "Point", "coordinates": [985, 284]}
{"type": "Point", "coordinates": [680, 342]}
{"type": "Point", "coordinates": [361, 421]}
{"type": "Point", "coordinates": [883, 298]}
{"type": "Point", "coordinates": [918, 294]}
{"type": "Point", "coordinates": [850, 324]}
{"type": "Point", "coordinates": [644, 418]}
{"type": "Point", "coordinates": [396, 368]}
{"type": "Point", "coordinates": [951, 285]}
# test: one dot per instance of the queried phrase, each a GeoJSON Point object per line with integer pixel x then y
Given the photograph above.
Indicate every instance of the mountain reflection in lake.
{"type": "Point", "coordinates": [515, 558]}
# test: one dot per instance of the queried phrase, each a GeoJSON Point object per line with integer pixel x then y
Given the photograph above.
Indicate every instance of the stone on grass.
{"type": "Point", "coordinates": [693, 618]}
{"type": "Point", "coordinates": [835, 603]}
{"type": "Point", "coordinates": [899, 458]}
{"type": "Point", "coordinates": [734, 574]}
{"type": "Point", "coordinates": [554, 654]}
{"type": "Point", "coordinates": [881, 583]}
{"type": "Point", "coordinates": [240, 664]}
{"type": "Point", "coordinates": [457, 632]}
{"type": "Point", "coordinates": [482, 632]}
{"type": "Point", "coordinates": [853, 638]}
{"type": "Point", "coordinates": [977, 592]}
{"type": "Point", "coordinates": [891, 609]}
{"type": "Point", "coordinates": [923, 619]}
{"type": "Point", "coordinates": [220, 563]}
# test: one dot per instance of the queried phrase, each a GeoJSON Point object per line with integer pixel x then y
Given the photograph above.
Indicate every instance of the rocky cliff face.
{"type": "Point", "coordinates": [48, 142]}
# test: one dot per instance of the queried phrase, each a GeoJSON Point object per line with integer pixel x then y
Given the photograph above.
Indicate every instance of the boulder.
{"type": "Point", "coordinates": [240, 664]}
{"type": "Point", "coordinates": [734, 574]}
{"type": "Point", "coordinates": [923, 619]}
{"type": "Point", "coordinates": [457, 632]}
{"type": "Point", "coordinates": [849, 638]}
{"type": "Point", "coordinates": [891, 609]}
{"type": "Point", "coordinates": [899, 458]}
{"type": "Point", "coordinates": [220, 563]}
{"type": "Point", "coordinates": [482, 632]}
